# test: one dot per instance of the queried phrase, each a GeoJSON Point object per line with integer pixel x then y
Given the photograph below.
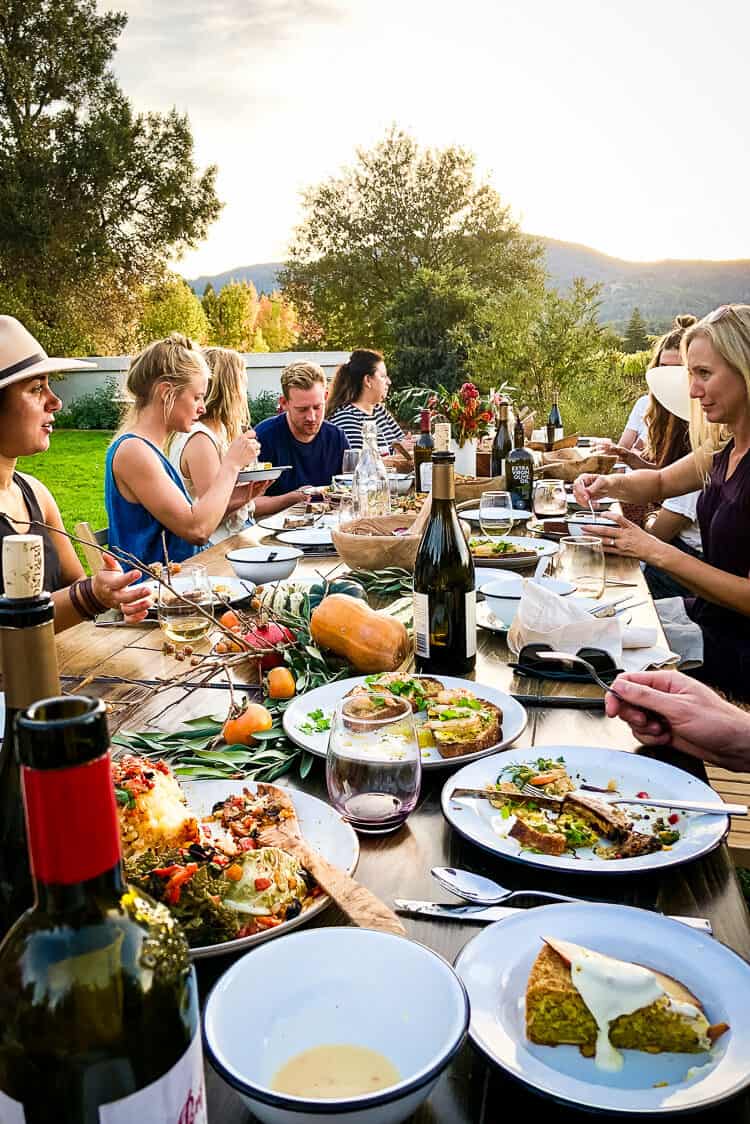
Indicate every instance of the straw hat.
{"type": "Point", "coordinates": [21, 357]}
{"type": "Point", "coordinates": [670, 388]}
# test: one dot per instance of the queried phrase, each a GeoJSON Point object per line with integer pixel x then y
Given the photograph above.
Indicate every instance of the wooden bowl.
{"type": "Point", "coordinates": [367, 551]}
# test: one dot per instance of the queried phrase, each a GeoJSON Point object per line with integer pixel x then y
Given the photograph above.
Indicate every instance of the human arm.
{"type": "Point", "coordinates": [200, 463]}
{"type": "Point", "coordinates": [628, 454]}
{"type": "Point", "coordinates": [270, 505]}
{"type": "Point", "coordinates": [141, 478]}
{"type": "Point", "coordinates": [111, 587]}
{"type": "Point", "coordinates": [641, 487]}
{"type": "Point", "coordinates": [668, 525]}
{"type": "Point", "coordinates": [628, 438]}
{"type": "Point", "coordinates": [700, 722]}
{"type": "Point", "coordinates": [731, 591]}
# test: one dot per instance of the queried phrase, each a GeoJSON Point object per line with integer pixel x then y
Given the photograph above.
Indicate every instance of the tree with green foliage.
{"type": "Point", "coordinates": [546, 342]}
{"type": "Point", "coordinates": [232, 315]}
{"type": "Point", "coordinates": [367, 232]}
{"type": "Point", "coordinates": [636, 336]}
{"type": "Point", "coordinates": [94, 198]}
{"type": "Point", "coordinates": [172, 306]}
{"type": "Point", "coordinates": [277, 322]}
{"type": "Point", "coordinates": [435, 320]}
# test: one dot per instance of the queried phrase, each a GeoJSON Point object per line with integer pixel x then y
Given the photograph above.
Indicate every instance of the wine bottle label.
{"type": "Point", "coordinates": [422, 624]}
{"type": "Point", "coordinates": [471, 623]}
{"type": "Point", "coordinates": [179, 1097]}
{"type": "Point", "coordinates": [72, 821]}
{"type": "Point", "coordinates": [424, 483]}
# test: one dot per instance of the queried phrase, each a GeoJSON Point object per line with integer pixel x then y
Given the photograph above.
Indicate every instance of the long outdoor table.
{"type": "Point", "coordinates": [398, 865]}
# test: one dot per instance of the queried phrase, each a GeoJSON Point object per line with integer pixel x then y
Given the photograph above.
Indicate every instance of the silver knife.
{"type": "Point", "coordinates": [486, 913]}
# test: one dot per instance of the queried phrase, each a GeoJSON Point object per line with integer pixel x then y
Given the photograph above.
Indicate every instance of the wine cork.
{"type": "Point", "coordinates": [442, 437]}
{"type": "Point", "coordinates": [23, 565]}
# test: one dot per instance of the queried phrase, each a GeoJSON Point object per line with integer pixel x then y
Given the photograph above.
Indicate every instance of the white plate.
{"type": "Point", "coordinates": [477, 820]}
{"type": "Point", "coordinates": [321, 826]}
{"type": "Point", "coordinates": [257, 475]}
{"type": "Point", "coordinates": [307, 536]}
{"type": "Point", "coordinates": [326, 698]}
{"type": "Point", "coordinates": [541, 547]}
{"type": "Point", "coordinates": [487, 619]}
{"type": "Point", "coordinates": [519, 516]}
{"type": "Point", "coordinates": [494, 967]}
{"type": "Point", "coordinates": [574, 502]}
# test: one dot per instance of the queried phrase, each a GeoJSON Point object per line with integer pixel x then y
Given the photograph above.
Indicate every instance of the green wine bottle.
{"type": "Point", "coordinates": [98, 1002]}
{"type": "Point", "coordinates": [444, 595]}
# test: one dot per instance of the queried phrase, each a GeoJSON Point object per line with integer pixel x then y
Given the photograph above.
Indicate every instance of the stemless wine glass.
{"type": "Point", "coordinates": [581, 561]}
{"type": "Point", "coordinates": [495, 514]}
{"type": "Point", "coordinates": [179, 620]}
{"type": "Point", "coordinates": [349, 463]}
{"type": "Point", "coordinates": [549, 498]}
{"type": "Point", "coordinates": [374, 765]}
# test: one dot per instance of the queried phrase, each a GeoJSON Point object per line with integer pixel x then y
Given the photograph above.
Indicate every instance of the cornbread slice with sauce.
{"type": "Point", "coordinates": [579, 997]}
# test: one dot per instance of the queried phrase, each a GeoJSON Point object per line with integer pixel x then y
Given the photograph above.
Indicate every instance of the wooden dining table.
{"type": "Point", "coordinates": [113, 661]}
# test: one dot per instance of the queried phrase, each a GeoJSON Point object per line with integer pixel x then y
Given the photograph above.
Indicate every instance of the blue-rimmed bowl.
{"type": "Point", "coordinates": [326, 986]}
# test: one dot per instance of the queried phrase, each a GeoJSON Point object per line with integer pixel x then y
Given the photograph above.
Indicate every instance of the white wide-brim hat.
{"type": "Point", "coordinates": [21, 357]}
{"type": "Point", "coordinates": [671, 389]}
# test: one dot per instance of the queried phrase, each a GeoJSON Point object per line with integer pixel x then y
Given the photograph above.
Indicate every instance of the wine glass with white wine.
{"type": "Point", "coordinates": [179, 618]}
{"type": "Point", "coordinates": [496, 515]}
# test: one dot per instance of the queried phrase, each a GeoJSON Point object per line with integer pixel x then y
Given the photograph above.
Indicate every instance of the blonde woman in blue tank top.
{"type": "Point", "coordinates": [144, 494]}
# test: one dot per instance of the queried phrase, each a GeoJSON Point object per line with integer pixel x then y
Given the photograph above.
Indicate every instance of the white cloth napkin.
{"type": "Point", "coordinates": [547, 618]}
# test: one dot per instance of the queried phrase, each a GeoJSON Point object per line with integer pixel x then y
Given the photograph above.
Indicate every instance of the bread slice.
{"type": "Point", "coordinates": [556, 1013]}
{"type": "Point", "coordinates": [415, 688]}
{"type": "Point", "coordinates": [479, 729]}
{"type": "Point", "coordinates": [548, 842]}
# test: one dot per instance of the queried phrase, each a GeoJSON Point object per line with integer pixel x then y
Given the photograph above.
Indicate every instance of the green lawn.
{"type": "Point", "coordinates": [73, 470]}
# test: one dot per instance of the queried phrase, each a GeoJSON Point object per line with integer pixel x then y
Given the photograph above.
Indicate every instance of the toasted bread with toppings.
{"type": "Point", "coordinates": [464, 726]}
{"type": "Point", "coordinates": [548, 842]}
{"type": "Point", "coordinates": [603, 817]}
{"type": "Point", "coordinates": [417, 689]}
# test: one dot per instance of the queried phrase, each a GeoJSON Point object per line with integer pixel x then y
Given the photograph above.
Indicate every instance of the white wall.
{"type": "Point", "coordinates": [263, 371]}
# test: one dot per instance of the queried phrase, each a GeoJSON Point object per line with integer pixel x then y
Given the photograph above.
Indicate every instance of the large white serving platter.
{"type": "Point", "coordinates": [494, 967]}
{"type": "Point", "coordinates": [327, 697]}
{"type": "Point", "coordinates": [480, 822]}
{"type": "Point", "coordinates": [323, 829]}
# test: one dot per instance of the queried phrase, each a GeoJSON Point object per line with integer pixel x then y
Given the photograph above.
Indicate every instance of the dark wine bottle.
{"type": "Point", "coordinates": [520, 471]}
{"type": "Point", "coordinates": [423, 447]}
{"type": "Point", "coordinates": [502, 444]}
{"type": "Point", "coordinates": [99, 1015]}
{"type": "Point", "coordinates": [555, 431]}
{"type": "Point", "coordinates": [444, 595]}
{"type": "Point", "coordinates": [29, 663]}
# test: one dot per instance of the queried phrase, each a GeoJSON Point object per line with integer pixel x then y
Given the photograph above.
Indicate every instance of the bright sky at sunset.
{"type": "Point", "coordinates": [621, 124]}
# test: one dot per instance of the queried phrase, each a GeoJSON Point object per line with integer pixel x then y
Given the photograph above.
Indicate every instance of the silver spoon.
{"type": "Point", "coordinates": [579, 662]}
{"type": "Point", "coordinates": [483, 891]}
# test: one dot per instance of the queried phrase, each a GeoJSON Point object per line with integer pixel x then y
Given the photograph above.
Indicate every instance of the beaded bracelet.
{"type": "Point", "coordinates": [84, 600]}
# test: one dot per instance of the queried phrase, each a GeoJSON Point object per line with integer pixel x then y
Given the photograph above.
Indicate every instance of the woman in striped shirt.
{"type": "Point", "coordinates": [357, 393]}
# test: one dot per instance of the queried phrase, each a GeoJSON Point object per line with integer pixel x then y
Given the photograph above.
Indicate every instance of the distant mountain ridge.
{"type": "Point", "coordinates": [660, 289]}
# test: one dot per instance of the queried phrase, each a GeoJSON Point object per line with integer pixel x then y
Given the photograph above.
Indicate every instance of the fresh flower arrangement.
{"type": "Point", "coordinates": [464, 409]}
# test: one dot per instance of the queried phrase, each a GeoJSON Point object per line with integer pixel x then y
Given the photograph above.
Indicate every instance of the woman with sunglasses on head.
{"type": "Point", "coordinates": [27, 412]}
{"type": "Point", "coordinates": [357, 394]}
{"type": "Point", "coordinates": [717, 354]}
{"type": "Point", "coordinates": [147, 503]}
{"type": "Point", "coordinates": [198, 452]}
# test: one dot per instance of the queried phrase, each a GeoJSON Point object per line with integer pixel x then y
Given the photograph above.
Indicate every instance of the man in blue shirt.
{"type": "Point", "coordinates": [299, 437]}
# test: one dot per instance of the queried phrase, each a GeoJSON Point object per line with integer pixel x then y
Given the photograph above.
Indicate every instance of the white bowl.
{"type": "Point", "coordinates": [252, 563]}
{"type": "Point", "coordinates": [399, 483]}
{"type": "Point", "coordinates": [584, 519]}
{"type": "Point", "coordinates": [326, 986]}
{"type": "Point", "coordinates": [503, 595]}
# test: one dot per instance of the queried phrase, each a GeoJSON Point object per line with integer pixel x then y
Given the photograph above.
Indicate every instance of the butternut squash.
{"type": "Point", "coordinates": [348, 627]}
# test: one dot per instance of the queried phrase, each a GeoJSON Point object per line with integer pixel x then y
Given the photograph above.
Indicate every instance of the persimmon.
{"type": "Point", "coordinates": [252, 719]}
{"type": "Point", "coordinates": [281, 683]}
{"type": "Point", "coordinates": [230, 619]}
